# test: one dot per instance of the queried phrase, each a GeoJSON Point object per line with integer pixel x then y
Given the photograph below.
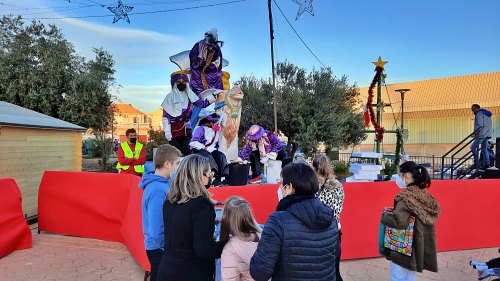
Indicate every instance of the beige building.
{"type": "Point", "coordinates": [155, 119]}
{"type": "Point", "coordinates": [126, 117]}
{"type": "Point", "coordinates": [437, 112]}
{"type": "Point", "coordinates": [30, 143]}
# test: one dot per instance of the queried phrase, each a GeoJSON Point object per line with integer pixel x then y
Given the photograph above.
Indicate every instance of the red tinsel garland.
{"type": "Point", "coordinates": [379, 130]}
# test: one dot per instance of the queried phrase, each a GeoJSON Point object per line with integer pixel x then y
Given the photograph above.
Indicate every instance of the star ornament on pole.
{"type": "Point", "coordinates": [379, 63]}
{"type": "Point", "coordinates": [304, 6]}
{"type": "Point", "coordinates": [120, 12]}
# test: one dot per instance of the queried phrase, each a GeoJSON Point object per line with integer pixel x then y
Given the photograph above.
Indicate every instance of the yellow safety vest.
{"type": "Point", "coordinates": [129, 154]}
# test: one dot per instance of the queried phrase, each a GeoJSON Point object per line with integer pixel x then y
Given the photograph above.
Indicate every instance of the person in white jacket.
{"type": "Point", "coordinates": [205, 142]}
{"type": "Point", "coordinates": [177, 110]}
{"type": "Point", "coordinates": [240, 236]}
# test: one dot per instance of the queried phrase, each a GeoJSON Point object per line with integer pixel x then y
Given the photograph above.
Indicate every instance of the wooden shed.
{"type": "Point", "coordinates": [30, 143]}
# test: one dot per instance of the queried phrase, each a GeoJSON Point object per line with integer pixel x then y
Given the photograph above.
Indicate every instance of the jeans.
{"type": "Point", "coordinates": [485, 159]}
{"type": "Point", "coordinates": [399, 273]}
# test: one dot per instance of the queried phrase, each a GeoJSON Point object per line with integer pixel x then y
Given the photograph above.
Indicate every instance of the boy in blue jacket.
{"type": "Point", "coordinates": [156, 185]}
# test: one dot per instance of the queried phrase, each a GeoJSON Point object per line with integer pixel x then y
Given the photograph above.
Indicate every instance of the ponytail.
{"type": "Point", "coordinates": [423, 180]}
{"type": "Point", "coordinates": [419, 173]}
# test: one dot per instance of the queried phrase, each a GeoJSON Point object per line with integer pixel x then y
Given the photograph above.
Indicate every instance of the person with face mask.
{"type": "Point", "coordinates": [188, 217]}
{"type": "Point", "coordinates": [413, 201]}
{"type": "Point", "coordinates": [131, 155]}
{"type": "Point", "coordinates": [205, 142]}
{"type": "Point", "coordinates": [300, 239]}
{"type": "Point", "coordinates": [177, 110]}
{"type": "Point", "coordinates": [156, 185]}
{"type": "Point", "coordinates": [261, 146]}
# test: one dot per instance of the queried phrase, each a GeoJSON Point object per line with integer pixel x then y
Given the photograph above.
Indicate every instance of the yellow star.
{"type": "Point", "coordinates": [379, 63]}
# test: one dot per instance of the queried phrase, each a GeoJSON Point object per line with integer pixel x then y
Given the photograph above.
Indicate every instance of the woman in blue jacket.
{"type": "Point", "coordinates": [300, 239]}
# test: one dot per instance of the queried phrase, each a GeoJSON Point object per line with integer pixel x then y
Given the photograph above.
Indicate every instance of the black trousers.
{"type": "Point", "coordinates": [337, 260]}
{"type": "Point", "coordinates": [154, 257]}
{"type": "Point", "coordinates": [494, 263]}
{"type": "Point", "coordinates": [255, 164]}
{"type": "Point", "coordinates": [182, 143]}
{"type": "Point", "coordinates": [218, 162]}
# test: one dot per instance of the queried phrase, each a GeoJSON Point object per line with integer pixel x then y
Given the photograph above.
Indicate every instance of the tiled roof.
{"type": "Point", "coordinates": [14, 115]}
{"type": "Point", "coordinates": [444, 97]}
{"type": "Point", "coordinates": [127, 109]}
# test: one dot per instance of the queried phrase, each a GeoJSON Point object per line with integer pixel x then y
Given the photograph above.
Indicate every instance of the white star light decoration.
{"type": "Point", "coordinates": [304, 6]}
{"type": "Point", "coordinates": [120, 12]}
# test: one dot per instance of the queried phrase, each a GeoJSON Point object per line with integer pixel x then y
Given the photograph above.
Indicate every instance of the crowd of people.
{"type": "Point", "coordinates": [301, 240]}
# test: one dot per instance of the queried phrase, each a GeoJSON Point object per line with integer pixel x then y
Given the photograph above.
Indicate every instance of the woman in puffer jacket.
{"type": "Point", "coordinates": [240, 236]}
{"type": "Point", "coordinates": [300, 239]}
{"type": "Point", "coordinates": [331, 193]}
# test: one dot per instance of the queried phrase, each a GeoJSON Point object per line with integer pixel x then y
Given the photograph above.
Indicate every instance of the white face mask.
{"type": "Point", "coordinates": [172, 175]}
{"type": "Point", "coordinates": [400, 182]}
{"type": "Point", "coordinates": [280, 193]}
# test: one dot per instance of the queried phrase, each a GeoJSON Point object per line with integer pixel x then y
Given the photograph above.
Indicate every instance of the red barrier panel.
{"type": "Point", "coordinates": [94, 205]}
{"type": "Point", "coordinates": [108, 206]}
{"type": "Point", "coordinates": [131, 229]}
{"type": "Point", "coordinates": [15, 233]}
{"type": "Point", "coordinates": [262, 198]}
{"type": "Point", "coordinates": [469, 218]}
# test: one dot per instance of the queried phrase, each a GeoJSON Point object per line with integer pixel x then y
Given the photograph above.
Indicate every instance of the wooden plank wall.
{"type": "Point", "coordinates": [25, 153]}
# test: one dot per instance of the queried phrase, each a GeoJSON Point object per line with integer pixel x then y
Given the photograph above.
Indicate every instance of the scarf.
{"type": "Point", "coordinates": [176, 101]}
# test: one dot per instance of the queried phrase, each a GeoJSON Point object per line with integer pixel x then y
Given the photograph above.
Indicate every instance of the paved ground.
{"type": "Point", "coordinates": [56, 257]}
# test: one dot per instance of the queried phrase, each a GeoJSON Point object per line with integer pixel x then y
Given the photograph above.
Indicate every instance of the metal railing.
{"type": "Point", "coordinates": [434, 164]}
{"type": "Point", "coordinates": [461, 167]}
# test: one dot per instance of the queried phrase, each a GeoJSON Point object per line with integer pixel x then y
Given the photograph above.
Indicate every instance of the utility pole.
{"type": "Point", "coordinates": [271, 33]}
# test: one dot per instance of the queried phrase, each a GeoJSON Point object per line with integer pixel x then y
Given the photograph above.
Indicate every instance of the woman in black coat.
{"type": "Point", "coordinates": [188, 216]}
{"type": "Point", "coordinates": [300, 239]}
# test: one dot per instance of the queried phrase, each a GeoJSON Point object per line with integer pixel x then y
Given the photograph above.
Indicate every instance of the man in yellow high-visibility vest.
{"type": "Point", "coordinates": [131, 155]}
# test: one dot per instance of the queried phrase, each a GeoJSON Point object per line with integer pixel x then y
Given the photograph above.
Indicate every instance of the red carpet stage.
{"type": "Point", "coordinates": [108, 207]}
{"type": "Point", "coordinates": [15, 233]}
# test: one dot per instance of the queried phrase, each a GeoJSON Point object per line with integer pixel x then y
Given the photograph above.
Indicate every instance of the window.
{"type": "Point", "coordinates": [136, 120]}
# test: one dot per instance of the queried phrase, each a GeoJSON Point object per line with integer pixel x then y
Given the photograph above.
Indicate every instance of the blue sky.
{"type": "Point", "coordinates": [420, 39]}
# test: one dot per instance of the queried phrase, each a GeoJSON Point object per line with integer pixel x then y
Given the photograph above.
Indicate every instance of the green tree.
{"type": "Point", "coordinates": [156, 138]}
{"type": "Point", "coordinates": [39, 70]}
{"type": "Point", "coordinates": [312, 107]}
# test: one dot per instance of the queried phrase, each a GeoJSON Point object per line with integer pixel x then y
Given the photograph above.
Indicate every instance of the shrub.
{"type": "Point", "coordinates": [341, 170]}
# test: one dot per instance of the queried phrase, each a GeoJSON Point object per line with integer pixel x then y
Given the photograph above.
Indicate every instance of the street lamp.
{"type": "Point", "coordinates": [138, 122]}
{"type": "Point", "coordinates": [402, 92]}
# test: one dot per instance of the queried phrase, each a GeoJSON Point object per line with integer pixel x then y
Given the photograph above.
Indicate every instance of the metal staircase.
{"type": "Point", "coordinates": [458, 163]}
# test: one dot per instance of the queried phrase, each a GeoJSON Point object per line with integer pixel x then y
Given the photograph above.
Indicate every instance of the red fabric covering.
{"type": "Point", "coordinates": [262, 198]}
{"type": "Point", "coordinates": [469, 217]}
{"type": "Point", "coordinates": [108, 207]}
{"type": "Point", "coordinates": [94, 205]}
{"type": "Point", "coordinates": [15, 233]}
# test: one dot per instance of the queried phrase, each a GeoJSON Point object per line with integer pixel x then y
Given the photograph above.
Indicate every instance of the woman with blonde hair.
{"type": "Point", "coordinates": [240, 234]}
{"type": "Point", "coordinates": [188, 216]}
{"type": "Point", "coordinates": [331, 193]}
